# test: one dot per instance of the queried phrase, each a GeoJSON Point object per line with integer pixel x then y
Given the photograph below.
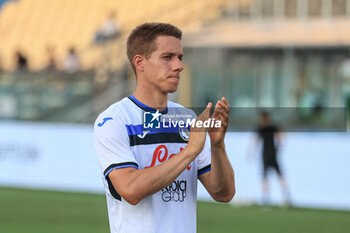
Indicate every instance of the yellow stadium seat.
{"type": "Point", "coordinates": [32, 25]}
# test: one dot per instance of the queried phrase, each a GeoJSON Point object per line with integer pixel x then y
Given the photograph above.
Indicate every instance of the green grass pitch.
{"type": "Point", "coordinates": [29, 211]}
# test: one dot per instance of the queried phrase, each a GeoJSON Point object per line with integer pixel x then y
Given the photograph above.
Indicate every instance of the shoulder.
{"type": "Point", "coordinates": [172, 104]}
{"type": "Point", "coordinates": [180, 109]}
{"type": "Point", "coordinates": [114, 113]}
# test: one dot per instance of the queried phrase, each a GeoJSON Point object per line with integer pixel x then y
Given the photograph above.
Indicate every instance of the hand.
{"type": "Point", "coordinates": [221, 113]}
{"type": "Point", "coordinates": [198, 134]}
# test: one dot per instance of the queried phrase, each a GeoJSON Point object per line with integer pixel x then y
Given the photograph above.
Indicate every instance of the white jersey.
{"type": "Point", "coordinates": [122, 139]}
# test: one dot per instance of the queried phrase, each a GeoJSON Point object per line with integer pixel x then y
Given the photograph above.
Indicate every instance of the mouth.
{"type": "Point", "coordinates": [174, 77]}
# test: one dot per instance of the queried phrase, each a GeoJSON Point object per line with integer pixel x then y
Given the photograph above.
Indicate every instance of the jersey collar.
{"type": "Point", "coordinates": [144, 106]}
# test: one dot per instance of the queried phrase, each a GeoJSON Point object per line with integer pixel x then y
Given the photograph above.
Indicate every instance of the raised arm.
{"type": "Point", "coordinates": [220, 181]}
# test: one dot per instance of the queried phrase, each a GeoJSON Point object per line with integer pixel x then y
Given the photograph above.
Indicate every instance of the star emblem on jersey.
{"type": "Point", "coordinates": [151, 120]}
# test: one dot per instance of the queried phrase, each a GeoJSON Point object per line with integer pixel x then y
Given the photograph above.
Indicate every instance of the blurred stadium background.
{"type": "Point", "coordinates": [275, 54]}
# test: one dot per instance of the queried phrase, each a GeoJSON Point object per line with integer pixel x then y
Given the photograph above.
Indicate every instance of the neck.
{"type": "Point", "coordinates": [151, 98]}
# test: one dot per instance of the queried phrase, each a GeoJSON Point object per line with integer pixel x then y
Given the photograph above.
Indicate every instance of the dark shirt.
{"type": "Point", "coordinates": [22, 62]}
{"type": "Point", "coordinates": [267, 134]}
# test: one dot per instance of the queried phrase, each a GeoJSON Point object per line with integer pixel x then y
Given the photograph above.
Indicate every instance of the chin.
{"type": "Point", "coordinates": [172, 89]}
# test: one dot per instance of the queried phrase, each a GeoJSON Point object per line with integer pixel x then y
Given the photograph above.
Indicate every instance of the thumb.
{"type": "Point", "coordinates": [207, 109]}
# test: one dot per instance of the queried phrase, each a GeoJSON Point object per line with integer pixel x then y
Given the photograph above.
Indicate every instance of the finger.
{"type": "Point", "coordinates": [224, 100]}
{"type": "Point", "coordinates": [222, 109]}
{"type": "Point", "coordinates": [224, 104]}
{"type": "Point", "coordinates": [224, 115]}
{"type": "Point", "coordinates": [207, 109]}
{"type": "Point", "coordinates": [215, 113]}
{"type": "Point", "coordinates": [206, 112]}
{"type": "Point", "coordinates": [220, 113]}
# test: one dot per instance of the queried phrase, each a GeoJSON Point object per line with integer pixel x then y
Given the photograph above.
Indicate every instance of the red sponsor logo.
{"type": "Point", "coordinates": [160, 154]}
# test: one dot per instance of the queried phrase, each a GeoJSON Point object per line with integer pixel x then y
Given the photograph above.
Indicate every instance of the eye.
{"type": "Point", "coordinates": [168, 57]}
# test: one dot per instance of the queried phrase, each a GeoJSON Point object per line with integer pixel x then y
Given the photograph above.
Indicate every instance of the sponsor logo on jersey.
{"type": "Point", "coordinates": [104, 121]}
{"type": "Point", "coordinates": [144, 133]}
{"type": "Point", "coordinates": [175, 192]}
{"type": "Point", "coordinates": [160, 155]}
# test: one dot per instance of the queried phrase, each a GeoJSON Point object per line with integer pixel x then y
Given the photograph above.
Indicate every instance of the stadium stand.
{"type": "Point", "coordinates": [31, 26]}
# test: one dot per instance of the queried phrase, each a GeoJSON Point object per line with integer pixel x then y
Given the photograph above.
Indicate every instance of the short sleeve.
{"type": "Point", "coordinates": [112, 144]}
{"type": "Point", "coordinates": [204, 158]}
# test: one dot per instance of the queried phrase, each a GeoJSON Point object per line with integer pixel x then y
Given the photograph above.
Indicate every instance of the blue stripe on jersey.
{"type": "Point", "coordinates": [117, 166]}
{"type": "Point", "coordinates": [134, 129]}
{"type": "Point", "coordinates": [204, 170]}
{"type": "Point", "coordinates": [144, 106]}
{"type": "Point", "coordinates": [156, 138]}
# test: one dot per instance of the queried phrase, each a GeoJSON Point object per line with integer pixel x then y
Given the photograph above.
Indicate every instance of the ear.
{"type": "Point", "coordinates": [139, 62]}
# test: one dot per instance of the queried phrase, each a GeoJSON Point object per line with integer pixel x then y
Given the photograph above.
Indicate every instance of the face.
{"type": "Point", "coordinates": [264, 119]}
{"type": "Point", "coordinates": [162, 69]}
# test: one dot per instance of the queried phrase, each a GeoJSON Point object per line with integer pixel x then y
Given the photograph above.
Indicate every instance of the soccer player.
{"type": "Point", "coordinates": [271, 138]}
{"type": "Point", "coordinates": [150, 171]}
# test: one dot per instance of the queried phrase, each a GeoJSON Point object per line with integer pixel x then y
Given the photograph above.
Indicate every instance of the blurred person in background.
{"type": "Point", "coordinates": [21, 61]}
{"type": "Point", "coordinates": [51, 58]}
{"type": "Point", "coordinates": [271, 138]}
{"type": "Point", "coordinates": [109, 30]}
{"type": "Point", "coordinates": [150, 174]}
{"type": "Point", "coordinates": [71, 63]}
{"type": "Point", "coordinates": [105, 37]}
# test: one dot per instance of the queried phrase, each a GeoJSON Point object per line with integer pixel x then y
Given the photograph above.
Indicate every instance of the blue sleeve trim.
{"type": "Point", "coordinates": [204, 170]}
{"type": "Point", "coordinates": [118, 166]}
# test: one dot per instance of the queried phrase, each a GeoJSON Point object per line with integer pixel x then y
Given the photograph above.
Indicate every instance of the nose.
{"type": "Point", "coordinates": [177, 65]}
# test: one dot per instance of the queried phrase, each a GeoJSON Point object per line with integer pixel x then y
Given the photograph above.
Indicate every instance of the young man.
{"type": "Point", "coordinates": [150, 174]}
{"type": "Point", "coordinates": [271, 138]}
